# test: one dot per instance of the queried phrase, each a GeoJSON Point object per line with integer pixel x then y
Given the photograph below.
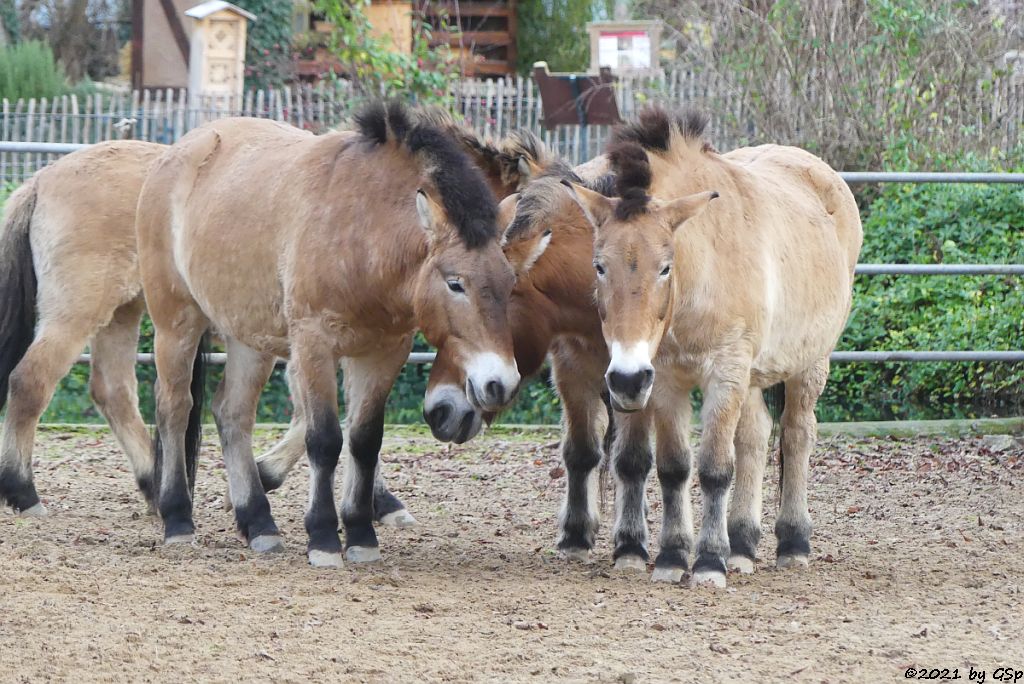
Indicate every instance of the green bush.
{"type": "Point", "coordinates": [931, 224]}
{"type": "Point", "coordinates": [29, 70]}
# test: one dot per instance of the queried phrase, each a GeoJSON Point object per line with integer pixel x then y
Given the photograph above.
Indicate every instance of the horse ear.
{"type": "Point", "coordinates": [507, 214]}
{"type": "Point", "coordinates": [525, 170]}
{"type": "Point", "coordinates": [683, 209]}
{"type": "Point", "coordinates": [596, 207]}
{"type": "Point", "coordinates": [429, 213]}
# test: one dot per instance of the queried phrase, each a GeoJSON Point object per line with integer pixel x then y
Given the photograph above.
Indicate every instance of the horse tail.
{"type": "Point", "coordinates": [606, 448]}
{"type": "Point", "coordinates": [775, 398]}
{"type": "Point", "coordinates": [18, 282]}
{"type": "Point", "coordinates": [194, 429]}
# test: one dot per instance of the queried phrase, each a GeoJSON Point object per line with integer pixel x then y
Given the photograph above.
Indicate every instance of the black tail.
{"type": "Point", "coordinates": [17, 283]}
{"type": "Point", "coordinates": [194, 430]}
{"type": "Point", "coordinates": [775, 398]}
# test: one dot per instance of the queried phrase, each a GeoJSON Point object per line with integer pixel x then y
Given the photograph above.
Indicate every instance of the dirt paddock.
{"type": "Point", "coordinates": [918, 562]}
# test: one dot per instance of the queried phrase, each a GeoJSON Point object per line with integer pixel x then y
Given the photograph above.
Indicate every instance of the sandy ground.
{"type": "Point", "coordinates": [918, 562]}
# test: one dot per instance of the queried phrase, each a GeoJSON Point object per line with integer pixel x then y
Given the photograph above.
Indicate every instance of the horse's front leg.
{"type": "Point", "coordinates": [579, 379]}
{"type": "Point", "coordinates": [724, 394]}
{"type": "Point", "coordinates": [632, 458]}
{"type": "Point", "coordinates": [316, 379]}
{"type": "Point", "coordinates": [368, 380]}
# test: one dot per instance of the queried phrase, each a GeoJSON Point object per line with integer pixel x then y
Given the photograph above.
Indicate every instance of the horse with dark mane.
{"type": "Point", "coordinates": [316, 249]}
{"type": "Point", "coordinates": [733, 297]}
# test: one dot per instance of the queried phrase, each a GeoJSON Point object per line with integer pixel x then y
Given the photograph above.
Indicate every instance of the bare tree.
{"type": "Point", "coordinates": [848, 78]}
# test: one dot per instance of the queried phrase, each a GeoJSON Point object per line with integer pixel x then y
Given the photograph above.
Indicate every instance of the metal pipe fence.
{"type": "Point", "coordinates": [861, 269]}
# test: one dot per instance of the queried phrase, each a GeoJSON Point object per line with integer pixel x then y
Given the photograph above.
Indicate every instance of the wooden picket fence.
{"type": "Point", "coordinates": [493, 107]}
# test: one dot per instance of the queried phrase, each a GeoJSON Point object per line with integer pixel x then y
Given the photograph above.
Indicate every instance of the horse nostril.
{"type": "Point", "coordinates": [648, 376]}
{"type": "Point", "coordinates": [494, 391]}
{"type": "Point", "coordinates": [439, 415]}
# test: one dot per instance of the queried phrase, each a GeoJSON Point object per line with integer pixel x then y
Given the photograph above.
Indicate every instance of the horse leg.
{"type": "Point", "coordinates": [799, 432]}
{"type": "Point", "coordinates": [315, 377]}
{"type": "Point", "coordinates": [179, 330]}
{"type": "Point", "coordinates": [632, 459]}
{"type": "Point", "coordinates": [752, 434]}
{"type": "Point", "coordinates": [368, 380]}
{"type": "Point", "coordinates": [674, 463]}
{"type": "Point", "coordinates": [31, 386]}
{"type": "Point", "coordinates": [234, 409]}
{"type": "Point", "coordinates": [584, 419]}
{"type": "Point", "coordinates": [115, 391]}
{"type": "Point", "coordinates": [724, 395]}
{"type": "Point", "coordinates": [275, 464]}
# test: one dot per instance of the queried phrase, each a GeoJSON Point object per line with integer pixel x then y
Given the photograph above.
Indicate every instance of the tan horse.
{"type": "Point", "coordinates": [308, 247]}
{"type": "Point", "coordinates": [68, 259]}
{"type": "Point", "coordinates": [751, 292]}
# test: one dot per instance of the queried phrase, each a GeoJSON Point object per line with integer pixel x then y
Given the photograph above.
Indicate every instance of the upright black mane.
{"type": "Point", "coordinates": [627, 152]}
{"type": "Point", "coordinates": [464, 193]}
{"type": "Point", "coordinates": [632, 172]}
{"type": "Point", "coordinates": [652, 129]}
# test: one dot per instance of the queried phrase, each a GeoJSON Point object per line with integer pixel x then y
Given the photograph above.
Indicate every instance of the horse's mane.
{"type": "Point", "coordinates": [540, 196]}
{"type": "Point", "coordinates": [465, 195]}
{"type": "Point", "coordinates": [628, 152]}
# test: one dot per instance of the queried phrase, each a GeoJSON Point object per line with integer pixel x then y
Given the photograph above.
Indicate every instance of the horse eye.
{"type": "Point", "coordinates": [665, 271]}
{"type": "Point", "coordinates": [455, 285]}
{"type": "Point", "coordinates": [599, 268]}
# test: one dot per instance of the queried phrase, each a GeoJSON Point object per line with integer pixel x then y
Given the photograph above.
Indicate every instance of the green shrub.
{"type": "Point", "coordinates": [29, 70]}
{"type": "Point", "coordinates": [930, 224]}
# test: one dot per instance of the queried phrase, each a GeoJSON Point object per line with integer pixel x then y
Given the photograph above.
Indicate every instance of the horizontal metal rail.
{"type": "Point", "coordinates": [40, 147]}
{"type": "Point", "coordinates": [940, 269]}
{"type": "Point", "coordinates": [848, 176]}
{"type": "Point", "coordinates": [929, 177]}
{"type": "Point", "coordinates": [419, 358]}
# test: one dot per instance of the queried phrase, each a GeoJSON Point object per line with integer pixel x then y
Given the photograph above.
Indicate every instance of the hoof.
{"type": "Point", "coordinates": [267, 543]}
{"type": "Point", "coordinates": [575, 555]}
{"type": "Point", "coordinates": [362, 554]}
{"type": "Point", "coordinates": [669, 574]}
{"type": "Point", "coordinates": [179, 539]}
{"type": "Point", "coordinates": [791, 561]}
{"type": "Point", "coordinates": [741, 564]}
{"type": "Point", "coordinates": [631, 564]}
{"type": "Point", "coordinates": [325, 559]}
{"type": "Point", "coordinates": [37, 511]}
{"type": "Point", "coordinates": [708, 578]}
{"type": "Point", "coordinates": [400, 518]}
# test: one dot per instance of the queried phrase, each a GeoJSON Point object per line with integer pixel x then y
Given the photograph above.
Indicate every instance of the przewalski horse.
{"type": "Point", "coordinates": [69, 277]}
{"type": "Point", "coordinates": [507, 165]}
{"type": "Point", "coordinates": [751, 292]}
{"type": "Point", "coordinates": [316, 249]}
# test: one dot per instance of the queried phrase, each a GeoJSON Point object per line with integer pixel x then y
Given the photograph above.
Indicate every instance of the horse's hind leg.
{"type": "Point", "coordinates": [180, 326]}
{"type": "Point", "coordinates": [234, 408]}
{"type": "Point", "coordinates": [799, 432]}
{"type": "Point", "coordinates": [114, 390]}
{"type": "Point", "coordinates": [31, 386]}
{"type": "Point", "coordinates": [674, 463]}
{"type": "Point", "coordinates": [584, 419]}
{"type": "Point", "coordinates": [752, 434]}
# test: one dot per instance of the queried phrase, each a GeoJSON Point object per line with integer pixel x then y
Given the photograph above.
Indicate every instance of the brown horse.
{"type": "Point", "coordinates": [316, 249]}
{"type": "Point", "coordinates": [507, 165]}
{"type": "Point", "coordinates": [68, 259]}
{"type": "Point", "coordinates": [751, 292]}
